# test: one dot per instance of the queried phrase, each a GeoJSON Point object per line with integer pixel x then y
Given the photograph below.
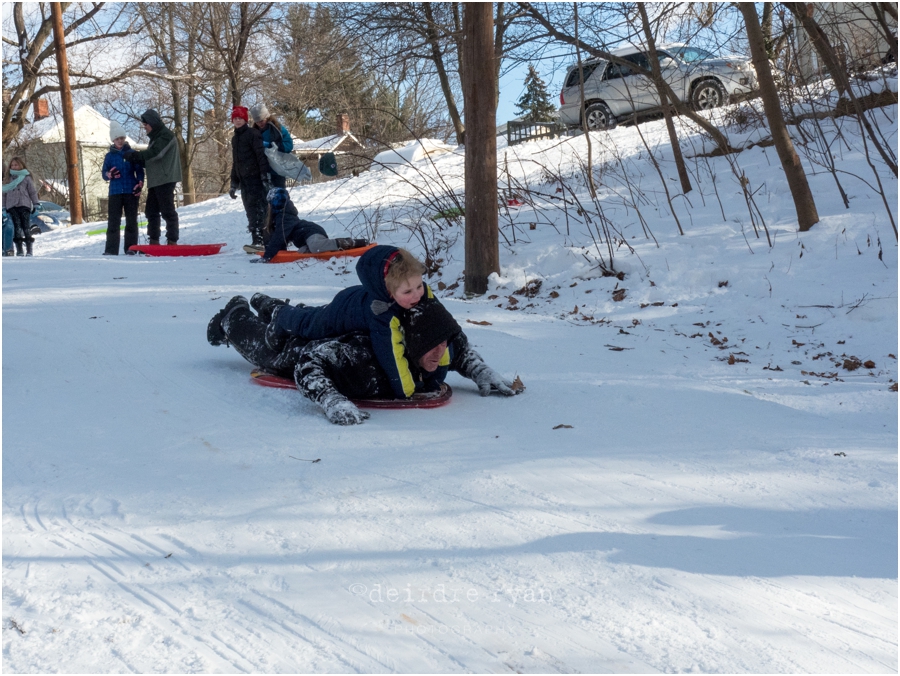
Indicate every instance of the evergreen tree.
{"type": "Point", "coordinates": [535, 104]}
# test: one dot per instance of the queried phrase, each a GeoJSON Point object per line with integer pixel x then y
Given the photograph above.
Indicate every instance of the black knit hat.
{"type": "Point", "coordinates": [328, 164]}
{"type": "Point", "coordinates": [427, 325]}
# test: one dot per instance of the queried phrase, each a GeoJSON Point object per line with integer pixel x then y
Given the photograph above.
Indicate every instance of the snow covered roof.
{"type": "Point", "coordinates": [91, 128]}
{"type": "Point", "coordinates": [53, 185]}
{"type": "Point", "coordinates": [326, 144]}
{"type": "Point", "coordinates": [413, 152]}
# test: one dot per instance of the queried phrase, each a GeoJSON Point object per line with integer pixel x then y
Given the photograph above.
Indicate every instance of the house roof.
{"type": "Point", "coordinates": [91, 128]}
{"type": "Point", "coordinates": [413, 152]}
{"type": "Point", "coordinates": [326, 144]}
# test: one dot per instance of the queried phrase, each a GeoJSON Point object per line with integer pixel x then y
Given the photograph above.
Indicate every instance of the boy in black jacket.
{"type": "Point", "coordinates": [284, 226]}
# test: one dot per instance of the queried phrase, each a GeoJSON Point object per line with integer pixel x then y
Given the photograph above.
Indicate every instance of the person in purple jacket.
{"type": "Point", "coordinates": [126, 180]}
{"type": "Point", "coordinates": [20, 200]}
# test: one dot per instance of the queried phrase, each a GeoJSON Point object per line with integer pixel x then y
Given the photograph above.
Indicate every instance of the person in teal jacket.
{"type": "Point", "coordinates": [273, 134]}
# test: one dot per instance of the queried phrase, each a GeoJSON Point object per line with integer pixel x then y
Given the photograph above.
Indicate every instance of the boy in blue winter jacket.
{"type": "Point", "coordinates": [126, 180]}
{"type": "Point", "coordinates": [284, 226]}
{"type": "Point", "coordinates": [391, 286]}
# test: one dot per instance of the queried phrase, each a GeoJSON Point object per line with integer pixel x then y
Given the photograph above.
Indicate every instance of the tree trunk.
{"type": "Point", "coordinates": [482, 238]}
{"type": "Point", "coordinates": [444, 80]}
{"type": "Point", "coordinates": [807, 215]}
{"type": "Point", "coordinates": [664, 103]}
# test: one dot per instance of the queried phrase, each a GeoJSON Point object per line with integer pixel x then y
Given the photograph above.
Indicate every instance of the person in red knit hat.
{"type": "Point", "coordinates": [250, 173]}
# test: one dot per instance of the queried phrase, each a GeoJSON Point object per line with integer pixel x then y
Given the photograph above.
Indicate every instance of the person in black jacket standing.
{"type": "Point", "coordinates": [250, 173]}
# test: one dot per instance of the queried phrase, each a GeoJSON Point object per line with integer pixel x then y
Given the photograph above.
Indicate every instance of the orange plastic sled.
{"type": "Point", "coordinates": [424, 400]}
{"type": "Point", "coordinates": [291, 256]}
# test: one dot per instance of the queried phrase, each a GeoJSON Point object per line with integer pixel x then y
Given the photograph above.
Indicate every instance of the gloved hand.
{"type": "Point", "coordinates": [267, 182]}
{"type": "Point", "coordinates": [130, 156]}
{"type": "Point", "coordinates": [274, 340]}
{"type": "Point", "coordinates": [113, 173]}
{"type": "Point", "coordinates": [341, 411]}
{"type": "Point", "coordinates": [35, 208]}
{"type": "Point", "coordinates": [137, 188]}
{"type": "Point", "coordinates": [488, 380]}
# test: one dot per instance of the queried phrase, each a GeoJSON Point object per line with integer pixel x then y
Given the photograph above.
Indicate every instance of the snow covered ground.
{"type": "Point", "coordinates": [692, 482]}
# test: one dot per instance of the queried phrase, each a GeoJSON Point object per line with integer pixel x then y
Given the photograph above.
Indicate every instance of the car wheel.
{"type": "Point", "coordinates": [599, 117]}
{"type": "Point", "coordinates": [708, 94]}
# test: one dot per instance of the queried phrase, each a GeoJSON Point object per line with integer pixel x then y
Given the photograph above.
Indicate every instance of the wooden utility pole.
{"type": "Point", "coordinates": [480, 97]}
{"type": "Point", "coordinates": [65, 93]}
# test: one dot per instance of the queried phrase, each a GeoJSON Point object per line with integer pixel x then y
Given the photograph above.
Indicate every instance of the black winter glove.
{"type": "Point", "coordinates": [232, 194]}
{"type": "Point", "coordinates": [113, 173]}
{"type": "Point", "coordinates": [131, 156]}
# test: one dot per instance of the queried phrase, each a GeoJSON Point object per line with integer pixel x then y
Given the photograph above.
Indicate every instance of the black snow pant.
{"type": "Point", "coordinates": [21, 218]}
{"type": "Point", "coordinates": [253, 195]}
{"type": "Point", "coordinates": [278, 181]}
{"type": "Point", "coordinates": [117, 204]}
{"type": "Point", "coordinates": [321, 369]}
{"type": "Point", "coordinates": [161, 202]}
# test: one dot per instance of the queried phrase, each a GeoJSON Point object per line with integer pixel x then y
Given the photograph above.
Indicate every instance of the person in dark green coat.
{"type": "Point", "coordinates": [162, 161]}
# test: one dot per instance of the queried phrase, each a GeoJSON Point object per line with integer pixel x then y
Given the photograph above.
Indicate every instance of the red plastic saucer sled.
{"type": "Point", "coordinates": [424, 400]}
{"type": "Point", "coordinates": [177, 249]}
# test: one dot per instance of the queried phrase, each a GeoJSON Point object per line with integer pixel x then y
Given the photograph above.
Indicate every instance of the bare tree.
{"type": "Point", "coordinates": [37, 76]}
{"type": "Point", "coordinates": [228, 30]}
{"type": "Point", "coordinates": [663, 101]}
{"type": "Point", "coordinates": [172, 30]}
{"type": "Point", "coordinates": [819, 39]}
{"type": "Point", "coordinates": [805, 205]}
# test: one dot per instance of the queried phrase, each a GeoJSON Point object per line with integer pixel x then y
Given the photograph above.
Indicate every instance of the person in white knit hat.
{"type": "Point", "coordinates": [126, 181]}
{"type": "Point", "coordinates": [273, 133]}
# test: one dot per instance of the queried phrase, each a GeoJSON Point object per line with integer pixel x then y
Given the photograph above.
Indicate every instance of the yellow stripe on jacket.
{"type": "Point", "coordinates": [397, 344]}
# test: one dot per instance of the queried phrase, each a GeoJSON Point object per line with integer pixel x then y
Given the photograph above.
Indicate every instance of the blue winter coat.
{"type": "Point", "coordinates": [368, 308]}
{"type": "Point", "coordinates": [129, 174]}
{"type": "Point", "coordinates": [288, 227]}
{"type": "Point", "coordinates": [281, 138]}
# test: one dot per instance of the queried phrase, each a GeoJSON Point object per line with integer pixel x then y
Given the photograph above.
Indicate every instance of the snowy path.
{"type": "Point", "coordinates": [693, 518]}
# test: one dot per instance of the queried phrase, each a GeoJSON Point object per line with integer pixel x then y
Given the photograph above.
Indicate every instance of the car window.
{"type": "Point", "coordinates": [617, 70]}
{"type": "Point", "coordinates": [588, 69]}
{"type": "Point", "coordinates": [639, 59]}
{"type": "Point", "coordinates": [693, 54]}
{"type": "Point", "coordinates": [50, 206]}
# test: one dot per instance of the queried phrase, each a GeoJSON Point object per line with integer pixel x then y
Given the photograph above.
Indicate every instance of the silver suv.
{"type": "Point", "coordinates": [613, 91]}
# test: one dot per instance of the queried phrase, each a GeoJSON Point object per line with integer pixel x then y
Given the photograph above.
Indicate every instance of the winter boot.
{"type": "Point", "coordinates": [170, 242]}
{"type": "Point", "coordinates": [20, 249]}
{"type": "Point", "coordinates": [154, 242]}
{"type": "Point", "coordinates": [28, 251]}
{"type": "Point", "coordinates": [254, 248]}
{"type": "Point", "coordinates": [215, 334]}
{"type": "Point", "coordinates": [350, 243]}
{"type": "Point", "coordinates": [264, 305]}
